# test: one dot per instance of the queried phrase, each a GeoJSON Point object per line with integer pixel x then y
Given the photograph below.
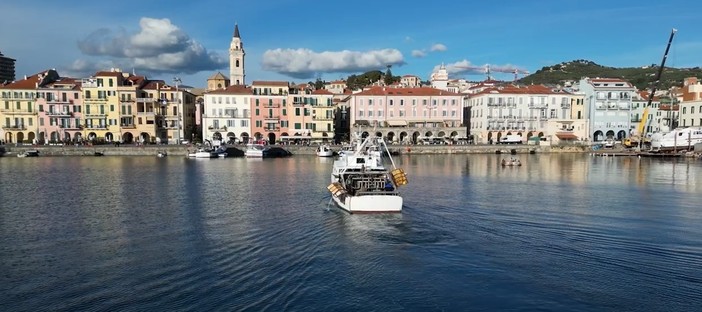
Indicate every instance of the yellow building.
{"type": "Point", "coordinates": [322, 106]}
{"type": "Point", "coordinates": [101, 104]}
{"type": "Point", "coordinates": [18, 113]}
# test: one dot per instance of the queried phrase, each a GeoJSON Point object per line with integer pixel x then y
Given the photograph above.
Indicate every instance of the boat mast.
{"type": "Point", "coordinates": [655, 84]}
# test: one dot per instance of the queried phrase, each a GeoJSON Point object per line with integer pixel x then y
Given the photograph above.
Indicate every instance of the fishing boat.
{"type": "Point", "coordinates": [324, 151]}
{"type": "Point", "coordinates": [678, 139]}
{"type": "Point", "coordinates": [361, 183]}
{"type": "Point", "coordinates": [257, 149]}
{"type": "Point", "coordinates": [162, 154]}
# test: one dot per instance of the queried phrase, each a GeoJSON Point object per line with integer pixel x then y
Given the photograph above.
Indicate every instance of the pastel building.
{"type": "Point", "coordinates": [312, 115]}
{"type": "Point", "coordinates": [410, 81]}
{"type": "Point", "coordinates": [608, 103]}
{"type": "Point", "coordinates": [408, 114]}
{"type": "Point", "coordinates": [336, 86]}
{"type": "Point", "coordinates": [18, 112]}
{"type": "Point", "coordinates": [59, 109]}
{"type": "Point", "coordinates": [269, 110]}
{"type": "Point", "coordinates": [690, 109]}
{"type": "Point", "coordinates": [101, 105]}
{"type": "Point", "coordinates": [227, 114]}
{"type": "Point", "coordinates": [521, 110]}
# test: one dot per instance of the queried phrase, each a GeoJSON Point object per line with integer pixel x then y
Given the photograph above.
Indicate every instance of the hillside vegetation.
{"type": "Point", "coordinates": [641, 77]}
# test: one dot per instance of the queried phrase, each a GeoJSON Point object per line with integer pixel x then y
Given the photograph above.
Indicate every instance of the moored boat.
{"type": "Point", "coordinates": [258, 149]}
{"type": "Point", "coordinates": [360, 182]}
{"type": "Point", "coordinates": [208, 153]}
{"type": "Point", "coordinates": [324, 151]}
{"type": "Point", "coordinates": [29, 153]}
{"type": "Point", "coordinates": [511, 162]}
{"type": "Point", "coordinates": [678, 139]}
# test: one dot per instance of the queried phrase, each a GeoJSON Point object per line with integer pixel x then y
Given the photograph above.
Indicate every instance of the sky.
{"type": "Point", "coordinates": [300, 41]}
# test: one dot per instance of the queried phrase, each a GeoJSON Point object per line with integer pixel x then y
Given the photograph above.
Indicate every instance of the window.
{"type": "Point", "coordinates": [424, 102]}
{"type": "Point", "coordinates": [390, 102]}
{"type": "Point", "coordinates": [360, 113]}
{"type": "Point", "coordinates": [370, 102]}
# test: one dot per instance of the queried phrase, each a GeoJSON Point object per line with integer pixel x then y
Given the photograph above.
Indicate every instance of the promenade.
{"type": "Point", "coordinates": [238, 150]}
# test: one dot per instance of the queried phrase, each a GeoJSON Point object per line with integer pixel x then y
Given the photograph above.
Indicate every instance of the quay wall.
{"type": "Point", "coordinates": [238, 150]}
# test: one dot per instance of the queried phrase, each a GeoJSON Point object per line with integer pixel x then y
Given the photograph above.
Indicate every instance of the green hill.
{"type": "Point", "coordinates": [641, 77]}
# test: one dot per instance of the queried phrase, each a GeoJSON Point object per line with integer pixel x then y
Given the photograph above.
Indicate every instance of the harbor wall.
{"type": "Point", "coordinates": [238, 150]}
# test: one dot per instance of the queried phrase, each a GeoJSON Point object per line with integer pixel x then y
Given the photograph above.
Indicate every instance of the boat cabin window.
{"type": "Point", "coordinates": [360, 160]}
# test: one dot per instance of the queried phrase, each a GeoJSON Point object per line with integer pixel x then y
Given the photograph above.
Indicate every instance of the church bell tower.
{"type": "Point", "coordinates": [236, 59]}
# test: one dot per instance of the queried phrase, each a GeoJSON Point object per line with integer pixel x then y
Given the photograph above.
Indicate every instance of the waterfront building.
{"type": "Point", "coordinates": [608, 106]}
{"type": "Point", "coordinates": [655, 121]}
{"type": "Point", "coordinates": [18, 112]}
{"type": "Point", "coordinates": [528, 111]}
{"type": "Point", "coordinates": [174, 112]}
{"type": "Point", "coordinates": [690, 109]}
{"type": "Point", "coordinates": [7, 69]}
{"type": "Point", "coordinates": [269, 110]}
{"type": "Point", "coordinates": [237, 73]}
{"type": "Point", "coordinates": [227, 114]}
{"type": "Point", "coordinates": [577, 106]}
{"type": "Point", "coordinates": [101, 106]}
{"type": "Point", "coordinates": [312, 115]}
{"type": "Point", "coordinates": [59, 111]}
{"type": "Point", "coordinates": [409, 114]}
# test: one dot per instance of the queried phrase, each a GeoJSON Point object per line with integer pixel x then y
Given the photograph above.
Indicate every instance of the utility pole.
{"type": "Point", "coordinates": [178, 107]}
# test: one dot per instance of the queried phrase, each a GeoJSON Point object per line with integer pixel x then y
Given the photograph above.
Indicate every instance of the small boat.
{"type": "Point", "coordinates": [208, 153]}
{"type": "Point", "coordinates": [361, 183]}
{"type": "Point", "coordinates": [162, 154]}
{"type": "Point", "coordinates": [324, 151]}
{"type": "Point", "coordinates": [258, 149]}
{"type": "Point", "coordinates": [29, 153]}
{"type": "Point", "coordinates": [511, 162]}
{"type": "Point", "coordinates": [96, 153]}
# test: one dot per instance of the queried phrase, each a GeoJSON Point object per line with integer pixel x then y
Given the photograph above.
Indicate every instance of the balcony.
{"type": "Point", "coordinates": [59, 114]}
{"type": "Point", "coordinates": [145, 100]}
{"type": "Point", "coordinates": [271, 129]}
{"type": "Point", "coordinates": [146, 113]}
{"type": "Point", "coordinates": [16, 111]}
{"type": "Point", "coordinates": [96, 127]}
{"type": "Point", "coordinates": [624, 106]}
{"type": "Point", "coordinates": [14, 127]}
{"type": "Point", "coordinates": [565, 105]}
{"type": "Point", "coordinates": [71, 127]}
{"type": "Point", "coordinates": [94, 100]}
{"type": "Point", "coordinates": [538, 106]}
{"type": "Point", "coordinates": [217, 128]}
{"type": "Point", "coordinates": [271, 118]}
{"type": "Point", "coordinates": [635, 119]}
{"type": "Point", "coordinates": [128, 126]}
{"type": "Point", "coordinates": [274, 105]}
{"type": "Point", "coordinates": [95, 115]}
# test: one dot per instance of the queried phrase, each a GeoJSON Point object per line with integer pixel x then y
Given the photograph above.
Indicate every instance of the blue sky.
{"type": "Point", "coordinates": [295, 40]}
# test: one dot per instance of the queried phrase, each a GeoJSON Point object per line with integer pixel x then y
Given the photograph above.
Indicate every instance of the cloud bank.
{"type": "Point", "coordinates": [158, 47]}
{"type": "Point", "coordinates": [305, 63]}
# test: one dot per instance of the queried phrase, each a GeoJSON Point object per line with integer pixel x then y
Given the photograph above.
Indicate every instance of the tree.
{"type": "Point", "coordinates": [318, 84]}
{"type": "Point", "coordinates": [388, 77]}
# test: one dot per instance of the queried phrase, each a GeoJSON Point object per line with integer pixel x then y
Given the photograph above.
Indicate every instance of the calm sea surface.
{"type": "Point", "coordinates": [561, 233]}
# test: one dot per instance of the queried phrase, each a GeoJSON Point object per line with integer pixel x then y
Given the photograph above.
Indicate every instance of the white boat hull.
{"type": "Point", "coordinates": [325, 153]}
{"type": "Point", "coordinates": [203, 155]}
{"type": "Point", "coordinates": [370, 203]}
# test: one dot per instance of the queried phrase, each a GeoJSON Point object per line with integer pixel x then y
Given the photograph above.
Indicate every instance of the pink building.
{"type": "Point", "coordinates": [269, 110]}
{"type": "Point", "coordinates": [409, 114]}
{"type": "Point", "coordinates": [59, 111]}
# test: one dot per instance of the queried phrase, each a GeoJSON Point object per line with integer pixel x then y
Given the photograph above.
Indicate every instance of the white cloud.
{"type": "Point", "coordinates": [419, 53]}
{"type": "Point", "coordinates": [159, 47]}
{"type": "Point", "coordinates": [437, 47]}
{"type": "Point", "coordinates": [305, 63]}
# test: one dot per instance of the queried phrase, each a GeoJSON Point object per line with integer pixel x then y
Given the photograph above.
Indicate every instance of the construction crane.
{"type": "Point", "coordinates": [487, 70]}
{"type": "Point", "coordinates": [641, 128]}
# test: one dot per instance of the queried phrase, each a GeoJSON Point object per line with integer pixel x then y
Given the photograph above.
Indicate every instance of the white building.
{"type": "Point", "coordinates": [227, 114]}
{"type": "Point", "coordinates": [608, 107]}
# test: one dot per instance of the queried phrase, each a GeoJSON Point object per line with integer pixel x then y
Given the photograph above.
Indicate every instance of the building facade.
{"type": "Point", "coordinates": [227, 114]}
{"type": "Point", "coordinates": [269, 110]}
{"type": "Point", "coordinates": [7, 69]}
{"type": "Point", "coordinates": [608, 102]}
{"type": "Point", "coordinates": [527, 111]}
{"type": "Point", "coordinates": [408, 115]}
{"type": "Point", "coordinates": [18, 112]}
{"type": "Point", "coordinates": [59, 109]}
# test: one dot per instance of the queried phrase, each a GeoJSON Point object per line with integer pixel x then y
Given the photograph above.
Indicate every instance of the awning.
{"type": "Point", "coordinates": [397, 123]}
{"type": "Point", "coordinates": [566, 136]}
